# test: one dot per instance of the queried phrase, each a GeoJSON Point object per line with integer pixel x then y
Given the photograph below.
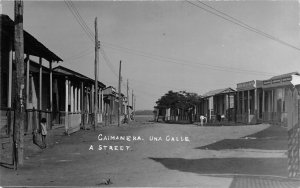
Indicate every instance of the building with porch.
{"type": "Point", "coordinates": [37, 77]}
{"type": "Point", "coordinates": [274, 97]}
{"type": "Point", "coordinates": [249, 102]}
{"type": "Point", "coordinates": [218, 105]}
{"type": "Point", "coordinates": [74, 99]}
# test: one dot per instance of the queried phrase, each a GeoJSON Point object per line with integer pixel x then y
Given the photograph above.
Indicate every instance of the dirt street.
{"type": "Point", "coordinates": [158, 155]}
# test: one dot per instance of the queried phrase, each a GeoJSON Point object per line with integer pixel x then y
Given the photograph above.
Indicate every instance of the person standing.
{"type": "Point", "coordinates": [44, 131]}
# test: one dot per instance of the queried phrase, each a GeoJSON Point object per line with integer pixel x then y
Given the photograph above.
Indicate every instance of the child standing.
{"type": "Point", "coordinates": [44, 131]}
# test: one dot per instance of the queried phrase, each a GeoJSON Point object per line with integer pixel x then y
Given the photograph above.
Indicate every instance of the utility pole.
{"type": "Point", "coordinates": [97, 46]}
{"type": "Point", "coordinates": [120, 97]}
{"type": "Point", "coordinates": [19, 98]}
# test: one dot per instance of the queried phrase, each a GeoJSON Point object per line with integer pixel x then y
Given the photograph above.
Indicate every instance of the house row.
{"type": "Point", "coordinates": [61, 95]}
{"type": "Point", "coordinates": [252, 102]}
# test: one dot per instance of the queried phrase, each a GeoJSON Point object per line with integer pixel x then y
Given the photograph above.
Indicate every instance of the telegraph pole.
{"type": "Point", "coordinates": [97, 46]}
{"type": "Point", "coordinates": [19, 98]}
{"type": "Point", "coordinates": [120, 97]}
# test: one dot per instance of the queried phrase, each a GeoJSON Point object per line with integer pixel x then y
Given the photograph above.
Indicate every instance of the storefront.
{"type": "Point", "coordinates": [274, 97]}
{"type": "Point", "coordinates": [249, 102]}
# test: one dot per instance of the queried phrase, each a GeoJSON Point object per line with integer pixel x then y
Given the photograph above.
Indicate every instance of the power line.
{"type": "Point", "coordinates": [153, 56]}
{"type": "Point", "coordinates": [242, 24]}
{"type": "Point", "coordinates": [188, 63]}
{"type": "Point", "coordinates": [80, 55]}
{"type": "Point", "coordinates": [76, 18]}
{"type": "Point", "coordinates": [88, 29]}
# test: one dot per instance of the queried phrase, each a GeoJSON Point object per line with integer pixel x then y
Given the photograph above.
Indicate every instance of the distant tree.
{"type": "Point", "coordinates": [178, 100]}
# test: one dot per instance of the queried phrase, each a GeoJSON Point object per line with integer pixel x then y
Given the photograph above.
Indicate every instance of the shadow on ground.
{"type": "Point", "coordinates": [227, 166]}
{"type": "Point", "coordinates": [272, 138]}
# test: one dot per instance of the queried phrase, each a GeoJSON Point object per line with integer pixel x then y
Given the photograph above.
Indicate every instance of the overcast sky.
{"type": "Point", "coordinates": [169, 45]}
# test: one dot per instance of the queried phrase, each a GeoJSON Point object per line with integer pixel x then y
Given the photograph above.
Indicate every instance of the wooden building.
{"type": "Point", "coordinates": [218, 105]}
{"type": "Point", "coordinates": [249, 102]}
{"type": "Point", "coordinates": [111, 105]}
{"type": "Point", "coordinates": [41, 100]}
{"type": "Point", "coordinates": [274, 97]}
{"type": "Point", "coordinates": [74, 99]}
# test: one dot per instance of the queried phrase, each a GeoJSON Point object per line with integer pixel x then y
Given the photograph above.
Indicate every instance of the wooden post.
{"type": "Point", "coordinates": [27, 80]}
{"type": "Point", "coordinates": [120, 97]}
{"type": "Point", "coordinates": [263, 104]}
{"type": "Point", "coordinates": [238, 102]}
{"type": "Point", "coordinates": [72, 97]}
{"type": "Point", "coordinates": [11, 58]}
{"type": "Point", "coordinates": [128, 119]}
{"type": "Point", "coordinates": [81, 104]}
{"type": "Point", "coordinates": [248, 110]}
{"type": "Point", "coordinates": [255, 105]}
{"type": "Point", "coordinates": [20, 96]}
{"type": "Point", "coordinates": [243, 106]}
{"type": "Point", "coordinates": [51, 93]}
{"type": "Point", "coordinates": [97, 46]}
{"type": "Point", "coordinates": [66, 105]}
{"type": "Point", "coordinates": [228, 107]}
{"type": "Point", "coordinates": [40, 90]}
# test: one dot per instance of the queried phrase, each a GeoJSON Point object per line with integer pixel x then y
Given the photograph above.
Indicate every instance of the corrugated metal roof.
{"type": "Point", "coordinates": [218, 91]}
{"type": "Point", "coordinates": [31, 45]}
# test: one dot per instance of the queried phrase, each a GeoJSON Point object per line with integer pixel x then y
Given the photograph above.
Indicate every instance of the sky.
{"type": "Point", "coordinates": [169, 45]}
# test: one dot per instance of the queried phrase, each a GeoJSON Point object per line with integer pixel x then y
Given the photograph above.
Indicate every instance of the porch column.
{"type": "Point", "coordinates": [78, 98]}
{"type": "Point", "coordinates": [10, 62]}
{"type": "Point", "coordinates": [27, 80]}
{"type": "Point", "coordinates": [272, 100]}
{"type": "Point", "coordinates": [40, 84]}
{"type": "Point", "coordinates": [51, 86]}
{"type": "Point", "coordinates": [51, 93]}
{"type": "Point", "coordinates": [238, 102]}
{"type": "Point", "coordinates": [263, 102]}
{"type": "Point", "coordinates": [102, 102]}
{"type": "Point", "coordinates": [75, 98]}
{"type": "Point", "coordinates": [228, 107]}
{"type": "Point", "coordinates": [72, 98]}
{"type": "Point", "coordinates": [66, 104]}
{"type": "Point", "coordinates": [99, 101]}
{"type": "Point", "coordinates": [243, 103]}
{"type": "Point", "coordinates": [81, 97]}
{"type": "Point", "coordinates": [255, 104]}
{"type": "Point", "coordinates": [81, 103]}
{"type": "Point", "coordinates": [93, 99]}
{"type": "Point", "coordinates": [248, 112]}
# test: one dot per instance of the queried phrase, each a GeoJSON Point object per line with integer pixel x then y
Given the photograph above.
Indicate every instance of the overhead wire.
{"type": "Point", "coordinates": [240, 23]}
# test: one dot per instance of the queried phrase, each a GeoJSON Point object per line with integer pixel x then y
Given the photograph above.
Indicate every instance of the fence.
{"type": "Point", "coordinates": [6, 122]}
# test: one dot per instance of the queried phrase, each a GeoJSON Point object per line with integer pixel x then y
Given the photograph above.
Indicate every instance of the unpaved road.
{"type": "Point", "coordinates": [148, 163]}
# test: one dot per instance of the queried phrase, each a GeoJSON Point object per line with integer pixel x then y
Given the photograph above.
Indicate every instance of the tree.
{"type": "Point", "coordinates": [178, 100]}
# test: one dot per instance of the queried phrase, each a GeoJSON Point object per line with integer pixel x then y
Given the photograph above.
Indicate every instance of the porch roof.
{"type": "Point", "coordinates": [68, 72]}
{"type": "Point", "coordinates": [31, 45]}
{"type": "Point", "coordinates": [281, 80]}
{"type": "Point", "coordinates": [218, 92]}
{"type": "Point", "coordinates": [285, 75]}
